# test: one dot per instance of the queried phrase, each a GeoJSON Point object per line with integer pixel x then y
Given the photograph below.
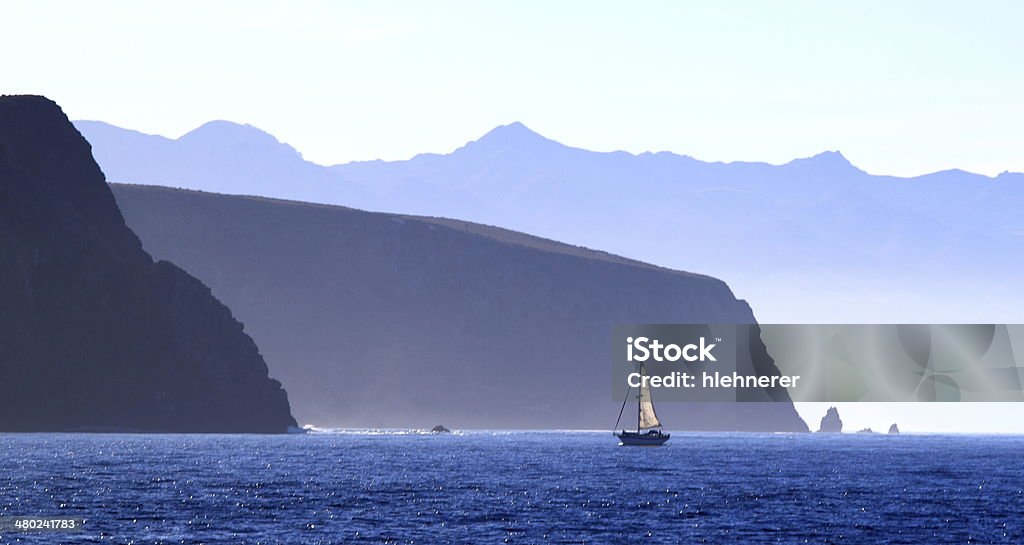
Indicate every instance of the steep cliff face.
{"type": "Point", "coordinates": [386, 320]}
{"type": "Point", "coordinates": [93, 333]}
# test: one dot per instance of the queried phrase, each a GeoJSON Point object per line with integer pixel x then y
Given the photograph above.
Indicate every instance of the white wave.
{"type": "Point", "coordinates": [372, 431]}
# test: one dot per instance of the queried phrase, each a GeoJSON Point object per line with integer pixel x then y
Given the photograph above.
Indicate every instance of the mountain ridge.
{"type": "Point", "coordinates": [808, 240]}
{"type": "Point", "coordinates": [493, 232]}
{"type": "Point", "coordinates": [520, 128]}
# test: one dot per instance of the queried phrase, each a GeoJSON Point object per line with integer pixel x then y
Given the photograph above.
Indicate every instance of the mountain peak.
{"type": "Point", "coordinates": [828, 160]}
{"type": "Point", "coordinates": [222, 129]}
{"type": "Point", "coordinates": [221, 134]}
{"type": "Point", "coordinates": [514, 129]}
{"type": "Point", "coordinates": [832, 157]}
{"type": "Point", "coordinates": [513, 136]}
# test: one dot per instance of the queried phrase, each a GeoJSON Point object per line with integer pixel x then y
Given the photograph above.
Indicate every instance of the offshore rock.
{"type": "Point", "coordinates": [831, 423]}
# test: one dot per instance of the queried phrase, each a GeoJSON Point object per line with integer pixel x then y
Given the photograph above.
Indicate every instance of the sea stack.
{"type": "Point", "coordinates": [894, 429]}
{"type": "Point", "coordinates": [831, 423]}
{"type": "Point", "coordinates": [95, 335]}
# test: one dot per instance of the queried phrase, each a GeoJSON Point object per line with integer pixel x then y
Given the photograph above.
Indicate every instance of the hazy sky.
{"type": "Point", "coordinates": [900, 88]}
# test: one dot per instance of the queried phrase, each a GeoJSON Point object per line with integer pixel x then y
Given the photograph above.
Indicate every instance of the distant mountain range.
{"type": "Point", "coordinates": [813, 240]}
{"type": "Point", "coordinates": [95, 335]}
{"type": "Point", "coordinates": [388, 320]}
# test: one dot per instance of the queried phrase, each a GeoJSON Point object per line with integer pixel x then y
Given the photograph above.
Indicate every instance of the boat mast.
{"type": "Point", "coordinates": [639, 399]}
{"type": "Point", "coordinates": [623, 408]}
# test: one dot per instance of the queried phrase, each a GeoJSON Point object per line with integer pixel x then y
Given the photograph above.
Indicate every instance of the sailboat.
{"type": "Point", "coordinates": [648, 428]}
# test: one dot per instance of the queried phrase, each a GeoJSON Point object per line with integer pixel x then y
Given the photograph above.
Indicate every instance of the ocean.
{"type": "Point", "coordinates": [516, 487]}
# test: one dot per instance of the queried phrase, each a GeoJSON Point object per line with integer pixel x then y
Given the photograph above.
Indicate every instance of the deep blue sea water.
{"type": "Point", "coordinates": [517, 487]}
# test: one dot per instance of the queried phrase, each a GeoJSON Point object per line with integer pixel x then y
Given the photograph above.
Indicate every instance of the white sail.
{"type": "Point", "coordinates": [648, 418]}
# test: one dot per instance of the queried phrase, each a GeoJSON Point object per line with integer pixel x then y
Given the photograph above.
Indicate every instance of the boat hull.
{"type": "Point", "coordinates": [630, 439]}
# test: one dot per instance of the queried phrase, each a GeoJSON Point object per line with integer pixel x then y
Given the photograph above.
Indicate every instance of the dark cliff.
{"type": "Point", "coordinates": [93, 333]}
{"type": "Point", "coordinates": [374, 319]}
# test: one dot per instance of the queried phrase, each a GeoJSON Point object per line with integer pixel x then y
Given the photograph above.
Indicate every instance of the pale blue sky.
{"type": "Point", "coordinates": [899, 87]}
